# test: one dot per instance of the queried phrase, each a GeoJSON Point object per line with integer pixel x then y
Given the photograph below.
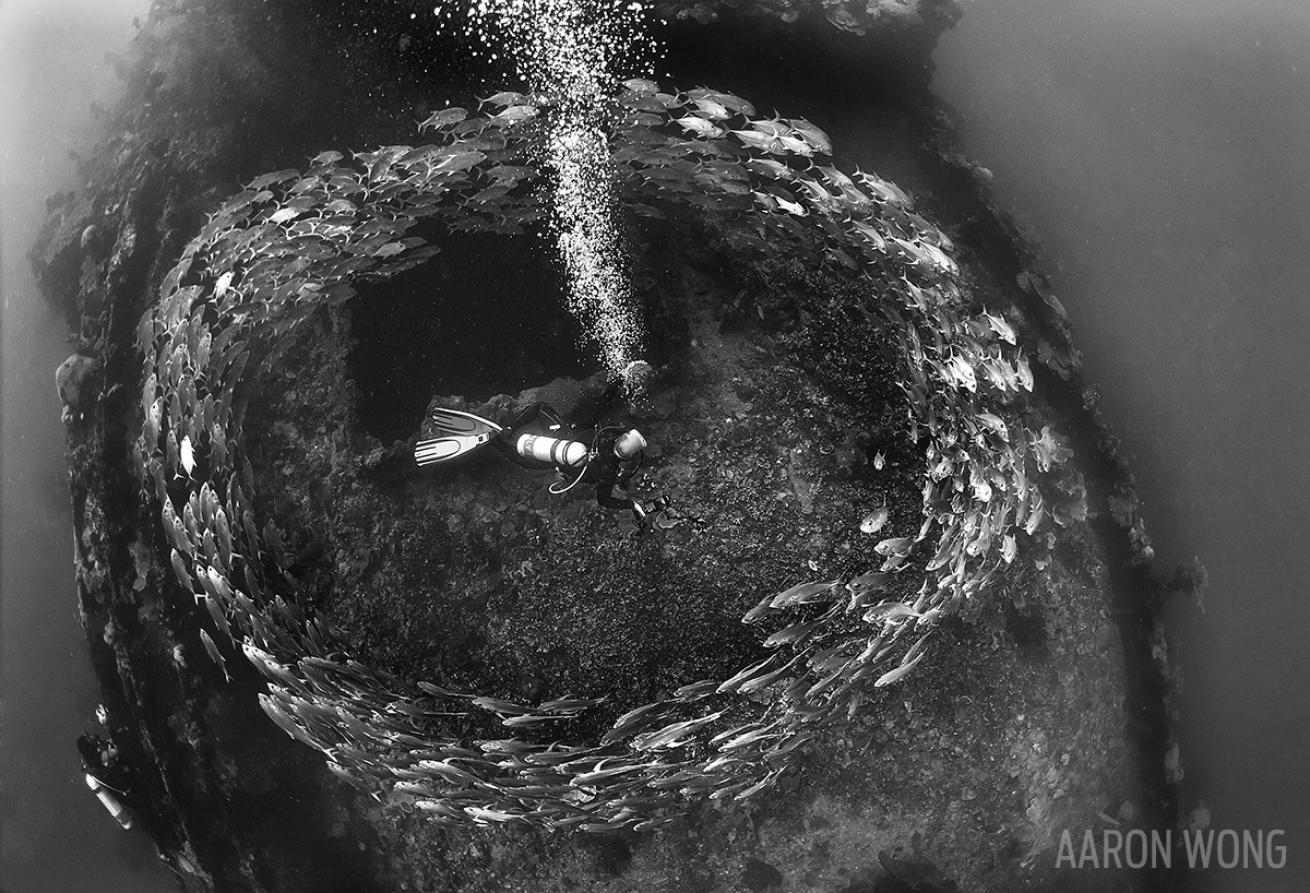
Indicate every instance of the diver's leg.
{"type": "Point", "coordinates": [605, 496]}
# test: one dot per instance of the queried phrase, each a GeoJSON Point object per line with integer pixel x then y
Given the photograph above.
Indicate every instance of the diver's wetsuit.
{"type": "Point", "coordinates": [604, 468]}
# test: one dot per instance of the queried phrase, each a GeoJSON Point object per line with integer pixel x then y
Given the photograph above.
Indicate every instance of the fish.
{"type": "Point", "coordinates": [895, 546]}
{"type": "Point", "coordinates": [698, 126]}
{"type": "Point", "coordinates": [515, 114]}
{"type": "Point", "coordinates": [438, 691]}
{"type": "Point", "coordinates": [529, 720]}
{"type": "Point", "coordinates": [1009, 548]}
{"type": "Point", "coordinates": [287, 724]}
{"type": "Point", "coordinates": [939, 258]}
{"type": "Point", "coordinates": [499, 706]}
{"type": "Point", "coordinates": [1023, 372]}
{"type": "Point", "coordinates": [171, 451]}
{"type": "Point", "coordinates": [882, 190]}
{"type": "Point", "coordinates": [461, 161]}
{"type": "Point", "coordinates": [815, 138]}
{"type": "Point", "coordinates": [728, 101]}
{"type": "Point", "coordinates": [189, 520]}
{"type": "Point", "coordinates": [154, 418]}
{"type": "Point", "coordinates": [711, 109]}
{"type": "Point", "coordinates": [177, 533]}
{"type": "Point", "coordinates": [802, 594]}
{"type": "Point", "coordinates": [483, 816]}
{"type": "Point", "coordinates": [875, 520]}
{"type": "Point", "coordinates": [635, 719]}
{"type": "Point", "coordinates": [870, 580]}
{"type": "Point", "coordinates": [214, 654]}
{"type": "Point", "coordinates": [1037, 513]}
{"type": "Point", "coordinates": [511, 173]}
{"type": "Point", "coordinates": [796, 146]}
{"type": "Point", "coordinates": [218, 445]}
{"type": "Point", "coordinates": [889, 610]}
{"type": "Point", "coordinates": [284, 215]}
{"type": "Point", "coordinates": [446, 772]}
{"type": "Point", "coordinates": [696, 690]}
{"type": "Point", "coordinates": [209, 546]}
{"type": "Point", "coordinates": [771, 168]}
{"type": "Point", "coordinates": [641, 85]}
{"type": "Point", "coordinates": [181, 571]}
{"type": "Point", "coordinates": [870, 234]}
{"type": "Point", "coordinates": [794, 208]}
{"type": "Point", "coordinates": [569, 705]}
{"type": "Point", "coordinates": [755, 140]}
{"type": "Point", "coordinates": [505, 98]}
{"type": "Point", "coordinates": [916, 650]}
{"type": "Point", "coordinates": [671, 735]}
{"type": "Point", "coordinates": [772, 126]}
{"type": "Point", "coordinates": [1001, 327]}
{"type": "Point", "coordinates": [735, 681]}
{"type": "Point", "coordinates": [443, 811]}
{"type": "Point", "coordinates": [587, 779]}
{"type": "Point", "coordinates": [898, 673]}
{"type": "Point", "coordinates": [216, 614]}
{"type": "Point", "coordinates": [758, 682]}
{"type": "Point", "coordinates": [791, 635]}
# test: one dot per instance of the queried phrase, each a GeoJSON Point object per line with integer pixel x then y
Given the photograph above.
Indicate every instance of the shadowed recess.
{"type": "Point", "coordinates": [485, 316]}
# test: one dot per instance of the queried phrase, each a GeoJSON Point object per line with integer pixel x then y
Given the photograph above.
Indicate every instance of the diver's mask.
{"type": "Point", "coordinates": [629, 445]}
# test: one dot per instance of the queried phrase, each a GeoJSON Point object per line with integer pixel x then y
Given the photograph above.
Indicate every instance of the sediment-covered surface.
{"type": "Point", "coordinates": [777, 427]}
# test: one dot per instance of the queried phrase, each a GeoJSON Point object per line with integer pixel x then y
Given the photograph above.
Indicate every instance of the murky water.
{"type": "Point", "coordinates": [1160, 150]}
{"type": "Point", "coordinates": [54, 836]}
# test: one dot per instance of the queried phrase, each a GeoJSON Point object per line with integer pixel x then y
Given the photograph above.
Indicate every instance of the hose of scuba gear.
{"type": "Point", "coordinates": [577, 480]}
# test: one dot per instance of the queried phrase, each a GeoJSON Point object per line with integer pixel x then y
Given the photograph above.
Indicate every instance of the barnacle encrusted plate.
{"type": "Point", "coordinates": [294, 240]}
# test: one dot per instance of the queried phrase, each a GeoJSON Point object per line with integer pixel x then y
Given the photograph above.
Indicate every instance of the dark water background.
{"type": "Point", "coordinates": [1162, 152]}
{"type": "Point", "coordinates": [54, 835]}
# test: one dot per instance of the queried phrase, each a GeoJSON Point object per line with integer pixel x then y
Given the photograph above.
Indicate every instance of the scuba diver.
{"type": "Point", "coordinates": [608, 459]}
{"type": "Point", "coordinates": [106, 776]}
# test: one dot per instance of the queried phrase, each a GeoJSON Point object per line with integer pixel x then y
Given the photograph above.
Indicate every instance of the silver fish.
{"type": "Point", "coordinates": [699, 126]}
{"type": "Point", "coordinates": [214, 654]}
{"type": "Point", "coordinates": [876, 519]}
{"type": "Point", "coordinates": [505, 98]}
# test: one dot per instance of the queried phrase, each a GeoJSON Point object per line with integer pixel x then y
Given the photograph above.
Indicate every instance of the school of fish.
{"type": "Point", "coordinates": [294, 240]}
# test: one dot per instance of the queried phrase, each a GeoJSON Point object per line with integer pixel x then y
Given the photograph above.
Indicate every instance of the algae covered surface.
{"type": "Point", "coordinates": [778, 426]}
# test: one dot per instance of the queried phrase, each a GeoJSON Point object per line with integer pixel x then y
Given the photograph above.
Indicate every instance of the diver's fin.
{"type": "Point", "coordinates": [454, 421]}
{"type": "Point", "coordinates": [451, 446]}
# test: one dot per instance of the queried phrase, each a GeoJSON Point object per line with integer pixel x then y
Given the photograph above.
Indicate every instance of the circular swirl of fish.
{"type": "Point", "coordinates": [293, 240]}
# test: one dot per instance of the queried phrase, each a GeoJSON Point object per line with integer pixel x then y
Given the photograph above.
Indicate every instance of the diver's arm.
{"type": "Point", "coordinates": [627, 470]}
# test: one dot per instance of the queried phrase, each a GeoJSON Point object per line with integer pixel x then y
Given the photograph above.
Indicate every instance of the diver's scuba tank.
{"type": "Point", "coordinates": [109, 801]}
{"type": "Point", "coordinates": [558, 452]}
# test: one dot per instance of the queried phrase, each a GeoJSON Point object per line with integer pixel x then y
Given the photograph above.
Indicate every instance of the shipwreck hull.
{"type": "Point", "coordinates": [966, 771]}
